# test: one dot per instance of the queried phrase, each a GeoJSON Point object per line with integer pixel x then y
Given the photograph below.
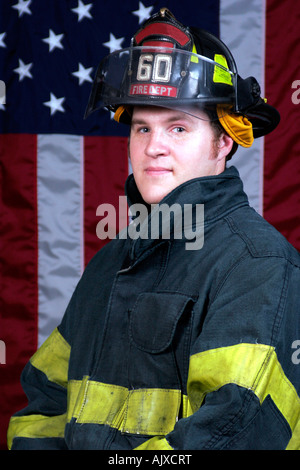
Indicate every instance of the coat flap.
{"type": "Point", "coordinates": [154, 318]}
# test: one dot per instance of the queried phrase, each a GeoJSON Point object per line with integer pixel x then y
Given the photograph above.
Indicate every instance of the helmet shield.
{"type": "Point", "coordinates": [162, 76]}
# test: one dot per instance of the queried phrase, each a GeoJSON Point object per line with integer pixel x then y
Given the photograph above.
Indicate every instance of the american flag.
{"type": "Point", "coordinates": [57, 168]}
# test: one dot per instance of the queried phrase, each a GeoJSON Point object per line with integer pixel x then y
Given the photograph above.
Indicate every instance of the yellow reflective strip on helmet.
{"type": "Point", "coordinates": [52, 358]}
{"type": "Point", "coordinates": [220, 74]}
{"type": "Point", "coordinates": [35, 426]}
{"type": "Point", "coordinates": [194, 58]}
{"type": "Point", "coordinates": [252, 366]}
{"type": "Point", "coordinates": [144, 411]}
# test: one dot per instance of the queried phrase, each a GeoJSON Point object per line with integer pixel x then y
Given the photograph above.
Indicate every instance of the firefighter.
{"type": "Point", "coordinates": [165, 344]}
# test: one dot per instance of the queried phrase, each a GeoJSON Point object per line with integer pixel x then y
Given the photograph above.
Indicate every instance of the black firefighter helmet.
{"type": "Point", "coordinates": [186, 68]}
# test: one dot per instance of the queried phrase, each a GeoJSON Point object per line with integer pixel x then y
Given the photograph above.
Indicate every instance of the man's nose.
{"type": "Point", "coordinates": [156, 145]}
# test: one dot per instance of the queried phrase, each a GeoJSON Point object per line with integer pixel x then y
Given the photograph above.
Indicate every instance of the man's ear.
{"type": "Point", "coordinates": [225, 145]}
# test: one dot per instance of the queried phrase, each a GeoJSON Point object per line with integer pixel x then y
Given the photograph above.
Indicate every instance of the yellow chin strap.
{"type": "Point", "coordinates": [237, 126]}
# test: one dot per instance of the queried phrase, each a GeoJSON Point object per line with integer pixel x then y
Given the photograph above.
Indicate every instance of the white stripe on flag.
{"type": "Point", "coordinates": [242, 28]}
{"type": "Point", "coordinates": [60, 240]}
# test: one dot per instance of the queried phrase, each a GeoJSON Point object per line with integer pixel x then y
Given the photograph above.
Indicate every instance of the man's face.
{"type": "Point", "coordinates": [168, 147]}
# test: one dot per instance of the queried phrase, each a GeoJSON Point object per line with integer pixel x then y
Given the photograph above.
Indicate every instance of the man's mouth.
{"type": "Point", "coordinates": [157, 170]}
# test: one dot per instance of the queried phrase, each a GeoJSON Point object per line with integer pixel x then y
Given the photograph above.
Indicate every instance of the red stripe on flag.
{"type": "Point", "coordinates": [282, 147]}
{"type": "Point", "coordinates": [18, 322]}
{"type": "Point", "coordinates": [105, 173]}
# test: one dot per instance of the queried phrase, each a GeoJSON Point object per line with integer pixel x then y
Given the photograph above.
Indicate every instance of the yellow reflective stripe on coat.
{"type": "Point", "coordinates": [146, 411]}
{"type": "Point", "coordinates": [252, 366]}
{"type": "Point", "coordinates": [155, 443]}
{"type": "Point", "coordinates": [35, 427]}
{"type": "Point", "coordinates": [52, 358]}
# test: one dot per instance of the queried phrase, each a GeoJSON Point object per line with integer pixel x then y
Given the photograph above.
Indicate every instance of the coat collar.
{"type": "Point", "coordinates": [219, 195]}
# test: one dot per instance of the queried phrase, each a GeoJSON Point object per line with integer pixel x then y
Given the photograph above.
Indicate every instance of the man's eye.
{"type": "Point", "coordinates": [143, 130]}
{"type": "Point", "coordinates": [179, 129]}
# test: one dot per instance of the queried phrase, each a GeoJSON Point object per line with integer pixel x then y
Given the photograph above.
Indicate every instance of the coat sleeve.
{"type": "Point", "coordinates": [44, 379]}
{"type": "Point", "coordinates": [243, 384]}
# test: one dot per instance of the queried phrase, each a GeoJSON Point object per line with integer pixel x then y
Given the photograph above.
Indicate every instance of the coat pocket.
{"type": "Point", "coordinates": [154, 319]}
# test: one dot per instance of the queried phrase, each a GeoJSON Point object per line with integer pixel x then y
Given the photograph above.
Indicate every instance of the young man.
{"type": "Point", "coordinates": [163, 346]}
{"type": "Point", "coordinates": [169, 147]}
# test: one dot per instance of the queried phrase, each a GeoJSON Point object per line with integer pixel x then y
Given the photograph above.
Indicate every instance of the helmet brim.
{"type": "Point", "coordinates": [264, 118]}
{"type": "Point", "coordinates": [155, 76]}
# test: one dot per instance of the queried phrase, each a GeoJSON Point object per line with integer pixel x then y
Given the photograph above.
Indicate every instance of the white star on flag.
{"type": "Point", "coordinates": [82, 10]}
{"type": "Point", "coordinates": [83, 74]}
{"type": "Point", "coordinates": [55, 104]}
{"type": "Point", "coordinates": [54, 40]}
{"type": "Point", "coordinates": [143, 12]}
{"type": "Point", "coordinates": [23, 70]}
{"type": "Point", "coordinates": [2, 43]}
{"type": "Point", "coordinates": [22, 7]}
{"type": "Point", "coordinates": [113, 44]}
